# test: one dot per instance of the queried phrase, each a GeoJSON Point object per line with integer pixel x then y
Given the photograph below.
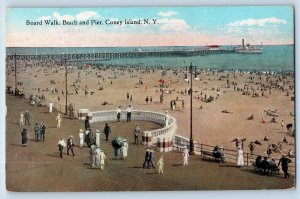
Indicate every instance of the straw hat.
{"type": "Point", "coordinates": [124, 140]}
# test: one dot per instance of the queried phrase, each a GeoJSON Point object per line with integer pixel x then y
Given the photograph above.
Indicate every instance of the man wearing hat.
{"type": "Point", "coordinates": [151, 160]}
{"type": "Point", "coordinates": [147, 158]}
{"type": "Point", "coordinates": [58, 119]}
{"type": "Point", "coordinates": [42, 131]}
{"type": "Point", "coordinates": [128, 110]}
{"type": "Point", "coordinates": [27, 117]}
{"type": "Point", "coordinates": [81, 138]}
{"type": "Point", "coordinates": [137, 133]}
{"type": "Point", "coordinates": [36, 132]}
{"type": "Point", "coordinates": [61, 144]}
{"type": "Point", "coordinates": [70, 144]}
{"type": "Point", "coordinates": [119, 113]}
{"type": "Point", "coordinates": [106, 131]}
{"type": "Point", "coordinates": [284, 161]}
{"type": "Point", "coordinates": [125, 149]}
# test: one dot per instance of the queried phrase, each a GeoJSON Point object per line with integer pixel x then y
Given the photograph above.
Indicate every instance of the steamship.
{"type": "Point", "coordinates": [248, 49]}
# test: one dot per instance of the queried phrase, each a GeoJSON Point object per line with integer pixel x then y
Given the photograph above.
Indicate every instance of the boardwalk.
{"type": "Point", "coordinates": [40, 168]}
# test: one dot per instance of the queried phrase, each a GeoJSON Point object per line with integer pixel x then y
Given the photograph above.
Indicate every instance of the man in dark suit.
{"type": "Point", "coordinates": [284, 165]}
{"type": "Point", "coordinates": [43, 131]}
{"type": "Point", "coordinates": [147, 159]}
{"type": "Point", "coordinates": [106, 131]}
{"type": "Point", "coordinates": [70, 145]}
{"type": "Point", "coordinates": [87, 123]}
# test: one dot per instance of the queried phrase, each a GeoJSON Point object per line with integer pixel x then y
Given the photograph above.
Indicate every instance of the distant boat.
{"type": "Point", "coordinates": [138, 50]}
{"type": "Point", "coordinates": [248, 49]}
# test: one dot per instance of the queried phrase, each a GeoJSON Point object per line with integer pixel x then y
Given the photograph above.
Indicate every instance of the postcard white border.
{"type": "Point", "coordinates": [274, 194]}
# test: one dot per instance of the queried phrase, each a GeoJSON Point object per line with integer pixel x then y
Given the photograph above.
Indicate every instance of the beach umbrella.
{"type": "Point", "coordinates": [161, 81]}
{"type": "Point", "coordinates": [117, 142]}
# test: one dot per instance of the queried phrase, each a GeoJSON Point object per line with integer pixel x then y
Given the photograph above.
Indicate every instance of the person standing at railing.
{"type": "Point", "coordinates": [128, 110]}
{"type": "Point", "coordinates": [166, 118]}
{"type": "Point", "coordinates": [251, 147]}
{"type": "Point", "coordinates": [119, 113]}
{"type": "Point", "coordinates": [240, 157]}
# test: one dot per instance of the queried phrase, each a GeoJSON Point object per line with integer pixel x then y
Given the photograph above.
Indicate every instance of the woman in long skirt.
{"type": "Point", "coordinates": [240, 157]}
{"type": "Point", "coordinates": [97, 156]}
{"type": "Point", "coordinates": [24, 137]}
{"type": "Point", "coordinates": [97, 138]}
{"type": "Point", "coordinates": [102, 159]}
{"type": "Point", "coordinates": [81, 138]}
{"type": "Point", "coordinates": [125, 150]}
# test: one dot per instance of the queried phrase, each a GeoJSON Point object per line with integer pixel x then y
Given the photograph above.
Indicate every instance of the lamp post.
{"type": "Point", "coordinates": [191, 112]}
{"type": "Point", "coordinates": [16, 82]}
{"type": "Point", "coordinates": [66, 86]}
{"type": "Point", "coordinates": [186, 72]}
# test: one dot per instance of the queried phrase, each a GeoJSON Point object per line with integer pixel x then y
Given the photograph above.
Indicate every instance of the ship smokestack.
{"type": "Point", "coordinates": [243, 42]}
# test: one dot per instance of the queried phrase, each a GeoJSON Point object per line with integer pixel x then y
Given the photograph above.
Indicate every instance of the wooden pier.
{"type": "Point", "coordinates": [119, 55]}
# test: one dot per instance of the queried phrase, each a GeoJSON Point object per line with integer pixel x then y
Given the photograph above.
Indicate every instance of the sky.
{"type": "Point", "coordinates": [174, 26]}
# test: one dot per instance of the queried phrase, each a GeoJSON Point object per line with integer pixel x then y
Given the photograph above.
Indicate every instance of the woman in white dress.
{"type": "Point", "coordinates": [81, 138]}
{"type": "Point", "coordinates": [102, 159]}
{"type": "Point", "coordinates": [97, 157]}
{"type": "Point", "coordinates": [240, 157]}
{"type": "Point", "coordinates": [97, 138]}
{"type": "Point", "coordinates": [185, 155]}
{"type": "Point", "coordinates": [125, 150]}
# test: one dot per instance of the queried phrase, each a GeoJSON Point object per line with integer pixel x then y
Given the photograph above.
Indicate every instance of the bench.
{"type": "Point", "coordinates": [272, 170]}
{"type": "Point", "coordinates": [210, 154]}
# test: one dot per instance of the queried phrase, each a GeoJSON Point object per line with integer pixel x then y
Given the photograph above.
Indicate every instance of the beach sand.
{"type": "Point", "coordinates": [210, 125]}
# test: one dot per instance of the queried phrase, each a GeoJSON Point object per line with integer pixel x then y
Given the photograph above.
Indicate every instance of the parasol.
{"type": "Point", "coordinates": [161, 81]}
{"type": "Point", "coordinates": [117, 142]}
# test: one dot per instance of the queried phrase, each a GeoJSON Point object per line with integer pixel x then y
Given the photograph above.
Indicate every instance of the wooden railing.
{"type": "Point", "coordinates": [230, 155]}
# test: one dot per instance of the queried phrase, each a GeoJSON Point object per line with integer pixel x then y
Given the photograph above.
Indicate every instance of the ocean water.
{"type": "Point", "coordinates": [274, 58]}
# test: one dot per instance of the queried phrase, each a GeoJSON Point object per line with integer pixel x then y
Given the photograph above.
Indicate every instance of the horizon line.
{"type": "Point", "coordinates": [141, 46]}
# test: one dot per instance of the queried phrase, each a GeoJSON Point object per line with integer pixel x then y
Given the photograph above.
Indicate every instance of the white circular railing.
{"type": "Point", "coordinates": [162, 138]}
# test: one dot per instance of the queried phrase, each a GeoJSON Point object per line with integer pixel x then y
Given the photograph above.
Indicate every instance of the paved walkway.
{"type": "Point", "coordinates": [38, 167]}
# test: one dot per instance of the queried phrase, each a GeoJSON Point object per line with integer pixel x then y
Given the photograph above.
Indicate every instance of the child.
{"type": "Point", "coordinates": [160, 165]}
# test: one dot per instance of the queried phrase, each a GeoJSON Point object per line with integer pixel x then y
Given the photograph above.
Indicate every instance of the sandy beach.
{"type": "Point", "coordinates": [237, 95]}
